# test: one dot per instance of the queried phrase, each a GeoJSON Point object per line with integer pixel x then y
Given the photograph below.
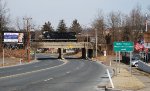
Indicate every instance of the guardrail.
{"type": "Point", "coordinates": [143, 66]}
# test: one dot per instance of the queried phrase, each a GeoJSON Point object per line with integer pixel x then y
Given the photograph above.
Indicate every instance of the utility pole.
{"type": "Point", "coordinates": [146, 23]}
{"type": "Point", "coordinates": [1, 41]}
{"type": "Point", "coordinates": [96, 42]}
{"type": "Point", "coordinates": [87, 46]}
{"type": "Point", "coordinates": [28, 37]}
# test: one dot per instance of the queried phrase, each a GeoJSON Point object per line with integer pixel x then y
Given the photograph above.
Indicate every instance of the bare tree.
{"type": "Point", "coordinates": [137, 23]}
{"type": "Point", "coordinates": [115, 23]}
{"type": "Point", "coordinates": [4, 19]}
{"type": "Point", "coordinates": [38, 35]}
{"type": "Point", "coordinates": [99, 25]}
{"type": "Point", "coordinates": [20, 24]}
{"type": "Point", "coordinates": [4, 15]}
{"type": "Point", "coordinates": [126, 33]}
{"type": "Point", "coordinates": [149, 8]}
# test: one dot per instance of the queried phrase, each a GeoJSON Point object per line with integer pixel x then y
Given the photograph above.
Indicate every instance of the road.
{"type": "Point", "coordinates": [53, 75]}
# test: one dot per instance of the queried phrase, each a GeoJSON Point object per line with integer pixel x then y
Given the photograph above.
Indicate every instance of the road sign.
{"type": "Point", "coordinates": [123, 46]}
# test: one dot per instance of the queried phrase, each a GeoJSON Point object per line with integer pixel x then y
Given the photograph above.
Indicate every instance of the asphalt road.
{"type": "Point", "coordinates": [53, 75]}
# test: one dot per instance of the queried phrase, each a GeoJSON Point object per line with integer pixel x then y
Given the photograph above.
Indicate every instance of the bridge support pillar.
{"type": "Point", "coordinates": [60, 51]}
{"type": "Point", "coordinates": [83, 53]}
{"type": "Point", "coordinates": [90, 53]}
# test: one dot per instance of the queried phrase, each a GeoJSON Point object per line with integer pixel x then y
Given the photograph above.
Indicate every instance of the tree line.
{"type": "Point", "coordinates": [75, 27]}
{"type": "Point", "coordinates": [122, 27]}
{"type": "Point", "coordinates": [114, 26]}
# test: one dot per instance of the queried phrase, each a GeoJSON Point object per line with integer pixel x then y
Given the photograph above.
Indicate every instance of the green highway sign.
{"type": "Point", "coordinates": [123, 46]}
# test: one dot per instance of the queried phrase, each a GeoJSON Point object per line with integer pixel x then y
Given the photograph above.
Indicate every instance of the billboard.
{"type": "Point", "coordinates": [13, 37]}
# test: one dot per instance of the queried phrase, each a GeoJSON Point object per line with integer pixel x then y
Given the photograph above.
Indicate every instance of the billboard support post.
{"type": "Point", "coordinates": [116, 63]}
{"type": "Point", "coordinates": [130, 62]}
{"type": "Point", "coordinates": [119, 61]}
{"type": "Point", "coordinates": [3, 57]}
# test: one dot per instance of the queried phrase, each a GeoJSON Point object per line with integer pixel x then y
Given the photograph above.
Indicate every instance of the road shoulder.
{"type": "Point", "coordinates": [123, 80]}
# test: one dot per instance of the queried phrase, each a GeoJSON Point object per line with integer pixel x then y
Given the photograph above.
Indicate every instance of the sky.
{"type": "Point", "coordinates": [85, 11]}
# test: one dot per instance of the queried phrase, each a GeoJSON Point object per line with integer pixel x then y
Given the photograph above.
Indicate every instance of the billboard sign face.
{"type": "Point", "coordinates": [14, 37]}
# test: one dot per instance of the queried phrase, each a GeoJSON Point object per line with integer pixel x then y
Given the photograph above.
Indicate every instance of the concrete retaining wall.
{"type": "Point", "coordinates": [143, 66]}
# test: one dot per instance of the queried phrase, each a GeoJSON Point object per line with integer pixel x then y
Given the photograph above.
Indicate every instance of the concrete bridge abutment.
{"type": "Point", "coordinates": [60, 52]}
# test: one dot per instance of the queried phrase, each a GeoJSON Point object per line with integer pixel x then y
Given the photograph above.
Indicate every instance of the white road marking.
{"type": "Point", "coordinates": [16, 75]}
{"type": "Point", "coordinates": [48, 79]}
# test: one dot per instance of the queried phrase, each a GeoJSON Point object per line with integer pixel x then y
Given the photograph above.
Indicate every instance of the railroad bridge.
{"type": "Point", "coordinates": [87, 47]}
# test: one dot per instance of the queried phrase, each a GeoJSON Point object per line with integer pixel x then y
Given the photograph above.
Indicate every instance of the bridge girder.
{"type": "Point", "coordinates": [62, 45]}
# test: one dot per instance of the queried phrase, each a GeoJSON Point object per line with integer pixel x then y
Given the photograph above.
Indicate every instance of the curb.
{"type": "Point", "coordinates": [111, 89]}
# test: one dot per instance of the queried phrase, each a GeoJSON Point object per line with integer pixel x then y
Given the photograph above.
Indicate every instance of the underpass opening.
{"type": "Point", "coordinates": [58, 53]}
{"type": "Point", "coordinates": [67, 53]}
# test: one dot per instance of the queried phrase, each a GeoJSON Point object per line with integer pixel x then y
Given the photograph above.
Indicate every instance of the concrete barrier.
{"type": "Point", "coordinates": [143, 66]}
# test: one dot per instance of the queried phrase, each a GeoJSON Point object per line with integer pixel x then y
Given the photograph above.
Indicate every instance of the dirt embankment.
{"type": "Point", "coordinates": [20, 53]}
{"type": "Point", "coordinates": [13, 57]}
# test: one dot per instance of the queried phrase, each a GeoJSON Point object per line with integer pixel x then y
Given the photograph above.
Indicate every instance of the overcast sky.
{"type": "Point", "coordinates": [84, 11]}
